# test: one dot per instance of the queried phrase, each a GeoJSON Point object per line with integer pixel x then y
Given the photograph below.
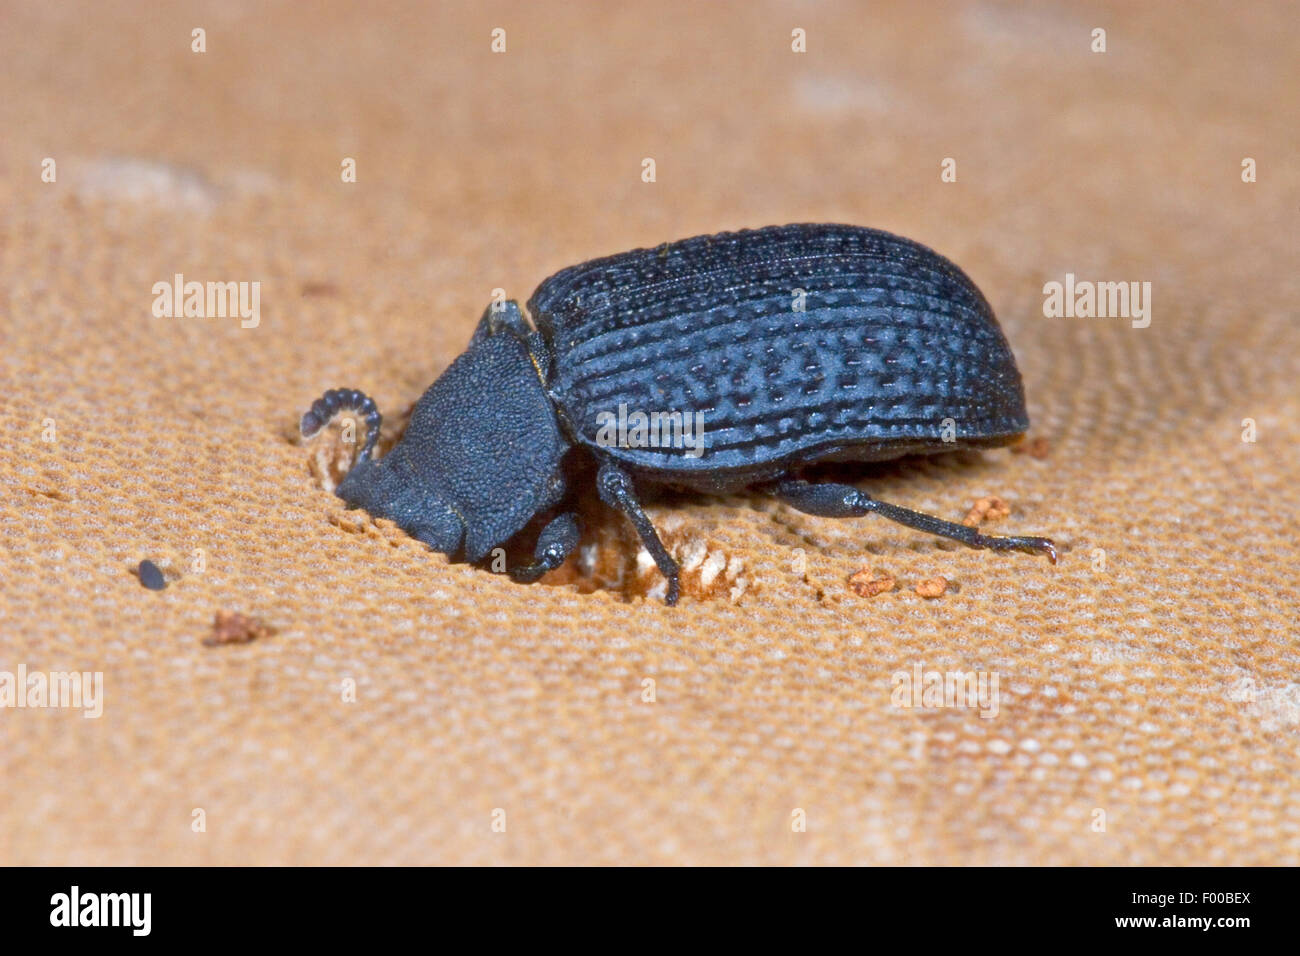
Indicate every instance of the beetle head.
{"type": "Point", "coordinates": [480, 457]}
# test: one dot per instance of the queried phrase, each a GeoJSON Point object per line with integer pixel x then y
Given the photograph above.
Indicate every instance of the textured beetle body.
{"type": "Point", "coordinates": [794, 344]}
{"type": "Point", "coordinates": [468, 475]}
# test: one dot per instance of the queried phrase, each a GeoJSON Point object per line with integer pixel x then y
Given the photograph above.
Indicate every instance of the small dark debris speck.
{"type": "Point", "coordinates": [151, 576]}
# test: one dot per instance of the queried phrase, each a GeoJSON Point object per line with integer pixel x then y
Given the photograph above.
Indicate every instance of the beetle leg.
{"type": "Point", "coordinates": [554, 544]}
{"type": "Point", "coordinates": [615, 488]}
{"type": "Point", "coordinates": [845, 501]}
{"type": "Point", "coordinates": [338, 400]}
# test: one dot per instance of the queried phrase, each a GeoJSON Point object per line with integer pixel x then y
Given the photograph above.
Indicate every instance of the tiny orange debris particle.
{"type": "Point", "coordinates": [867, 583]}
{"type": "Point", "coordinates": [990, 507]}
{"type": "Point", "coordinates": [231, 627]}
{"type": "Point", "coordinates": [1036, 447]}
{"type": "Point", "coordinates": [932, 587]}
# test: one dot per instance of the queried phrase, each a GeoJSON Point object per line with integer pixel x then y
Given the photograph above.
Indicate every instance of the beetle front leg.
{"type": "Point", "coordinates": [554, 545]}
{"type": "Point", "coordinates": [845, 501]}
{"type": "Point", "coordinates": [616, 490]}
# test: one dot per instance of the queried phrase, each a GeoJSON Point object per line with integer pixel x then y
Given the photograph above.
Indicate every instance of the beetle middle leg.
{"type": "Point", "coordinates": [554, 544]}
{"type": "Point", "coordinates": [616, 490]}
{"type": "Point", "coordinates": [844, 501]}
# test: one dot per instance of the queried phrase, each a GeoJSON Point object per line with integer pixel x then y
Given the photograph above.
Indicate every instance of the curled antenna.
{"type": "Point", "coordinates": [338, 400]}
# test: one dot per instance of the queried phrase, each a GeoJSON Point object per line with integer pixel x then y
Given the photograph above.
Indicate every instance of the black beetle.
{"type": "Point", "coordinates": [796, 344]}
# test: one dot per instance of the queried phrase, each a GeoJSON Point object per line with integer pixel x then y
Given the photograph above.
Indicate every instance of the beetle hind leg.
{"type": "Point", "coordinates": [845, 501]}
{"type": "Point", "coordinates": [338, 400]}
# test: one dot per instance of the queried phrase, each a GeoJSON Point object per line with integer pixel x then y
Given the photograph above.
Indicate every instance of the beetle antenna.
{"type": "Point", "coordinates": [338, 400]}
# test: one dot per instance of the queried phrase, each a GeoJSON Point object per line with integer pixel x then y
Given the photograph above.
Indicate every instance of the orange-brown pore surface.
{"type": "Point", "coordinates": [1148, 708]}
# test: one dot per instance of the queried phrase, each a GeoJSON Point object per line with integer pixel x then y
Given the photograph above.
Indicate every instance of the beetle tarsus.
{"type": "Point", "coordinates": [336, 401]}
{"type": "Point", "coordinates": [1029, 545]}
